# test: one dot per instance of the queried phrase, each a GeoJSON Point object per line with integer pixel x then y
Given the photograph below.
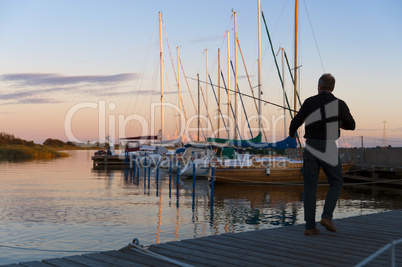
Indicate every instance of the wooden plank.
{"type": "Point", "coordinates": [221, 251]}
{"type": "Point", "coordinates": [346, 244]}
{"type": "Point", "coordinates": [88, 261]}
{"type": "Point", "coordinates": [109, 259]}
{"type": "Point", "coordinates": [251, 253]}
{"type": "Point", "coordinates": [357, 238]}
{"type": "Point", "coordinates": [192, 257]}
{"type": "Point", "coordinates": [308, 244]}
{"type": "Point", "coordinates": [140, 258]}
{"type": "Point", "coordinates": [339, 238]}
{"type": "Point", "coordinates": [35, 264]}
{"type": "Point", "coordinates": [272, 251]}
{"type": "Point", "coordinates": [325, 241]}
{"type": "Point", "coordinates": [61, 263]}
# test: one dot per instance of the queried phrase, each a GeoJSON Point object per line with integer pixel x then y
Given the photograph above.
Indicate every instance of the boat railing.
{"type": "Point", "coordinates": [388, 247]}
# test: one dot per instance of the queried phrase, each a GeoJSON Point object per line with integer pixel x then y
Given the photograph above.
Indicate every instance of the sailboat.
{"type": "Point", "coordinates": [235, 167]}
{"type": "Point", "coordinates": [153, 150]}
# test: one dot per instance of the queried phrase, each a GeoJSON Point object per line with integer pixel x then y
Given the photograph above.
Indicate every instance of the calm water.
{"type": "Point", "coordinates": [66, 206]}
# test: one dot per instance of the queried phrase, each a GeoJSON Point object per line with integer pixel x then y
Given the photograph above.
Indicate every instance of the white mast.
{"type": "Point", "coordinates": [206, 87]}
{"type": "Point", "coordinates": [235, 56]}
{"type": "Point", "coordinates": [295, 89]}
{"type": "Point", "coordinates": [219, 90]}
{"type": "Point", "coordinates": [259, 67]}
{"type": "Point", "coordinates": [228, 81]}
{"type": "Point", "coordinates": [161, 63]}
{"type": "Point", "coordinates": [178, 85]}
{"type": "Point", "coordinates": [284, 94]}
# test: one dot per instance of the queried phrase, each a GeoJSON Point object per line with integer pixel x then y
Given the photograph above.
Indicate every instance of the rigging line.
{"type": "Point", "coordinates": [242, 103]}
{"type": "Point", "coordinates": [248, 77]}
{"type": "Point", "coordinates": [315, 39]}
{"type": "Point", "coordinates": [291, 76]}
{"type": "Point", "coordinates": [249, 82]}
{"type": "Point", "coordinates": [249, 96]}
{"type": "Point", "coordinates": [188, 86]}
{"type": "Point", "coordinates": [171, 58]}
{"type": "Point", "coordinates": [202, 128]}
{"type": "Point", "coordinates": [205, 103]}
{"type": "Point", "coordinates": [279, 73]}
{"type": "Point", "coordinates": [230, 104]}
{"type": "Point", "coordinates": [142, 71]}
{"type": "Point", "coordinates": [216, 99]}
{"type": "Point", "coordinates": [276, 63]}
{"type": "Point", "coordinates": [171, 100]}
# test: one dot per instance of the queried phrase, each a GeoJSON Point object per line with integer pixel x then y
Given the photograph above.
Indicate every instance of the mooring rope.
{"type": "Point", "coordinates": [135, 245]}
{"type": "Point", "coordinates": [50, 250]}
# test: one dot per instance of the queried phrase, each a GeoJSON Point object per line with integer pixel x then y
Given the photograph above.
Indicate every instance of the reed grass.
{"type": "Point", "coordinates": [23, 152]}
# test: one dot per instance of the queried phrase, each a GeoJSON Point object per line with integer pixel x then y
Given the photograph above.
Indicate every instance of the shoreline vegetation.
{"type": "Point", "coordinates": [16, 149]}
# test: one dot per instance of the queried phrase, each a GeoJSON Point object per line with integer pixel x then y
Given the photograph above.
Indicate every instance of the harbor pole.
{"type": "Point", "coordinates": [134, 166]}
{"type": "Point", "coordinates": [170, 166]}
{"type": "Point", "coordinates": [193, 186]}
{"type": "Point", "coordinates": [178, 175]}
{"type": "Point", "coordinates": [145, 173]}
{"type": "Point", "coordinates": [149, 174]}
{"type": "Point", "coordinates": [212, 186]}
{"type": "Point", "coordinates": [138, 170]}
{"type": "Point", "coordinates": [170, 181]}
{"type": "Point", "coordinates": [131, 166]}
{"type": "Point", "coordinates": [157, 181]}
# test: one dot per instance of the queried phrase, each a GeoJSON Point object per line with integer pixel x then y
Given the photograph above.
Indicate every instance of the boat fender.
{"type": "Point", "coordinates": [267, 171]}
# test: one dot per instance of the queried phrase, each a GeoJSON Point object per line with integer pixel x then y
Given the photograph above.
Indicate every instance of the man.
{"type": "Point", "coordinates": [323, 115]}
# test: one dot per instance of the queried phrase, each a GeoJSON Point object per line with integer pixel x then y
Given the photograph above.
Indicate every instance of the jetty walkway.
{"type": "Point", "coordinates": [357, 238]}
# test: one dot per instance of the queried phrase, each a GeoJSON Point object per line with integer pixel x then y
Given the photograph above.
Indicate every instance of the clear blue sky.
{"type": "Point", "coordinates": [57, 54]}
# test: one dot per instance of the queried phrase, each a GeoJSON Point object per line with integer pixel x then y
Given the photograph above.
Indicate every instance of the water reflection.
{"type": "Point", "coordinates": [65, 204]}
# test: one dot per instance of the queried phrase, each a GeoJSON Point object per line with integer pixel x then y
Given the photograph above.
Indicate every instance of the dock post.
{"type": "Point", "coordinates": [178, 175]}
{"type": "Point", "coordinates": [134, 167]}
{"type": "Point", "coordinates": [157, 181]}
{"type": "Point", "coordinates": [170, 181]}
{"type": "Point", "coordinates": [145, 167]}
{"type": "Point", "coordinates": [193, 206]}
{"type": "Point", "coordinates": [125, 171]}
{"type": "Point", "coordinates": [212, 185]}
{"type": "Point", "coordinates": [149, 175]}
{"type": "Point", "coordinates": [138, 171]}
{"type": "Point", "coordinates": [145, 173]}
{"type": "Point", "coordinates": [131, 166]}
{"type": "Point", "coordinates": [193, 177]}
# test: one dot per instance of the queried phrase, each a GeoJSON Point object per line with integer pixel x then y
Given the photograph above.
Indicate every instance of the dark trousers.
{"type": "Point", "coordinates": [311, 169]}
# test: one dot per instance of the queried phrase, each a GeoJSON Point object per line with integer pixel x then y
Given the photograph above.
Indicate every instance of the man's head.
{"type": "Point", "coordinates": [326, 83]}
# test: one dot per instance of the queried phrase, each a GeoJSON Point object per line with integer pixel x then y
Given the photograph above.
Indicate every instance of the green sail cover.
{"type": "Point", "coordinates": [289, 142]}
{"type": "Point", "coordinates": [238, 143]}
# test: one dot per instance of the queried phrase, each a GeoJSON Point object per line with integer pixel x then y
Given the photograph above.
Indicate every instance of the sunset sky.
{"type": "Point", "coordinates": [79, 68]}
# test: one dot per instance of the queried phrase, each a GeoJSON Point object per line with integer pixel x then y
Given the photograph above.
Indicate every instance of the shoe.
{"type": "Point", "coordinates": [328, 224]}
{"type": "Point", "coordinates": [312, 231]}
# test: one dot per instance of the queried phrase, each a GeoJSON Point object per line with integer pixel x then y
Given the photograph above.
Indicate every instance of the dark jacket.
{"type": "Point", "coordinates": [323, 115]}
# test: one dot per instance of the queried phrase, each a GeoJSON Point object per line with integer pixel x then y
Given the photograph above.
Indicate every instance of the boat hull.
{"type": "Point", "coordinates": [252, 175]}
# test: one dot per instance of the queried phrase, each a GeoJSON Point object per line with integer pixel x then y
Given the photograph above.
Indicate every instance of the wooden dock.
{"type": "Point", "coordinates": [357, 238]}
{"type": "Point", "coordinates": [108, 161]}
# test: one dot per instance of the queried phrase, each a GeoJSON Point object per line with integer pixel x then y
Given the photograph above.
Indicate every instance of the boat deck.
{"type": "Point", "coordinates": [357, 238]}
